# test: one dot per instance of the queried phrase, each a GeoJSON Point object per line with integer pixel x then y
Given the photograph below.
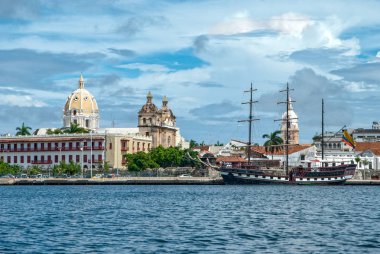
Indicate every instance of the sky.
{"type": "Point", "coordinates": [201, 54]}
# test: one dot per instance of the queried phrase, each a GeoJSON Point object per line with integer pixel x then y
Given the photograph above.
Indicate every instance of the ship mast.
{"type": "Point", "coordinates": [249, 120]}
{"type": "Point", "coordinates": [287, 126]}
{"type": "Point", "coordinates": [323, 130]}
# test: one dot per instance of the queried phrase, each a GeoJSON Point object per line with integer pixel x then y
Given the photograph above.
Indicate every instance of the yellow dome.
{"type": "Point", "coordinates": [81, 100]}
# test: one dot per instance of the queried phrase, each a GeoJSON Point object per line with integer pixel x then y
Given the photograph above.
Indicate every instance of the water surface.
{"type": "Point", "coordinates": [189, 219]}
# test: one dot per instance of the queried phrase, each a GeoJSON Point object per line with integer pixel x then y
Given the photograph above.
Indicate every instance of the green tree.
{"type": "Point", "coordinates": [74, 128]}
{"type": "Point", "coordinates": [55, 131]}
{"type": "Point", "coordinates": [34, 170]}
{"type": "Point", "coordinates": [140, 161]}
{"type": "Point", "coordinates": [273, 143]}
{"type": "Point", "coordinates": [193, 144]}
{"type": "Point", "coordinates": [23, 130]}
{"type": "Point", "coordinates": [219, 144]}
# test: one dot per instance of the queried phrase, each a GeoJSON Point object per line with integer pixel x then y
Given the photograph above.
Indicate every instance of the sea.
{"type": "Point", "coordinates": [190, 219]}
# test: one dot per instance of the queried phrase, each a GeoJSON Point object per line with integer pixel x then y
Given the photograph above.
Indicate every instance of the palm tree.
{"type": "Point", "coordinates": [23, 130]}
{"type": "Point", "coordinates": [273, 143]}
{"type": "Point", "coordinates": [74, 128]}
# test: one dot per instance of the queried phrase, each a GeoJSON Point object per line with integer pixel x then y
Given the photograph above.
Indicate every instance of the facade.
{"type": "Point", "coordinates": [81, 108]}
{"type": "Point", "coordinates": [47, 151]}
{"type": "Point", "coordinates": [160, 124]}
{"type": "Point", "coordinates": [293, 130]}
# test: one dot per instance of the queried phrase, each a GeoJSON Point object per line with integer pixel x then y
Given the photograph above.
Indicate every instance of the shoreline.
{"type": "Point", "coordinates": [141, 181]}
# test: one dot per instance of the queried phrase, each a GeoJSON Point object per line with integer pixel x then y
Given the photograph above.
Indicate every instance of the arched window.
{"type": "Point", "coordinates": [144, 121]}
{"type": "Point", "coordinates": [169, 140]}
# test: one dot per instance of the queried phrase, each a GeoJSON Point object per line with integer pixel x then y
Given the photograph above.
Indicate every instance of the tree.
{"type": "Point", "coordinates": [55, 131]}
{"type": "Point", "coordinates": [273, 143]}
{"type": "Point", "coordinates": [74, 128]}
{"type": "Point", "coordinates": [193, 144]}
{"type": "Point", "coordinates": [317, 138]}
{"type": "Point", "coordinates": [219, 144]}
{"type": "Point", "coordinates": [23, 130]}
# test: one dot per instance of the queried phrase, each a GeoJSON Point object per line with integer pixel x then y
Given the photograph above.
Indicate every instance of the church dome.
{"type": "Point", "coordinates": [293, 118]}
{"type": "Point", "coordinates": [81, 100]}
{"type": "Point", "coordinates": [81, 108]}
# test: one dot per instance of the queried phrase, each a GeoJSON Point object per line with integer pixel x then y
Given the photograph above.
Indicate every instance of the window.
{"type": "Point", "coordinates": [22, 159]}
{"type": "Point", "coordinates": [146, 133]}
{"type": "Point", "coordinates": [315, 179]}
{"type": "Point", "coordinates": [8, 159]}
{"type": "Point", "coordinates": [70, 158]}
{"type": "Point", "coordinates": [308, 179]}
{"type": "Point", "coordinates": [49, 158]}
{"type": "Point", "coordinates": [85, 158]}
{"type": "Point", "coordinates": [301, 178]}
{"type": "Point", "coordinates": [63, 158]}
{"type": "Point", "coordinates": [302, 157]}
{"type": "Point", "coordinates": [15, 159]}
{"type": "Point", "coordinates": [100, 157]}
{"type": "Point", "coordinates": [42, 158]}
{"type": "Point", "coordinates": [77, 158]}
{"type": "Point", "coordinates": [144, 121]}
{"type": "Point", "coordinates": [42, 146]}
{"type": "Point", "coordinates": [87, 123]}
{"type": "Point", "coordinates": [28, 159]}
{"type": "Point", "coordinates": [110, 146]}
{"type": "Point", "coordinates": [56, 158]}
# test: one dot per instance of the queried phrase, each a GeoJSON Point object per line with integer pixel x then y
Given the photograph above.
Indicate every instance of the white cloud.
{"type": "Point", "coordinates": [145, 67]}
{"type": "Point", "coordinates": [20, 101]}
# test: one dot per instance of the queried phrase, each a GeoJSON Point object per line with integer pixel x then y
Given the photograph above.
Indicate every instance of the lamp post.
{"type": "Point", "coordinates": [81, 148]}
{"type": "Point", "coordinates": [91, 152]}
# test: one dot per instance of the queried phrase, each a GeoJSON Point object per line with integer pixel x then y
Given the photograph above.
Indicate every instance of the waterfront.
{"type": "Point", "coordinates": [189, 219]}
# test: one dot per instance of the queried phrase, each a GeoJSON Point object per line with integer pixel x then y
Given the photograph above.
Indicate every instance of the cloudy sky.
{"type": "Point", "coordinates": [201, 54]}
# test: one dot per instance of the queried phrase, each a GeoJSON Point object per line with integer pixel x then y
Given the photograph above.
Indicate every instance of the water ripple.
{"type": "Point", "coordinates": [189, 219]}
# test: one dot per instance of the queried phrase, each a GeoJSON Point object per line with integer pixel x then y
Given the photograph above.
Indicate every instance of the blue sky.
{"type": "Point", "coordinates": [200, 54]}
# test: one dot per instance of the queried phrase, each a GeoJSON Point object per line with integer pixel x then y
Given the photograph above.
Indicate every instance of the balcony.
{"type": "Point", "coordinates": [125, 149]}
{"type": "Point", "coordinates": [40, 162]}
{"type": "Point", "coordinates": [50, 149]}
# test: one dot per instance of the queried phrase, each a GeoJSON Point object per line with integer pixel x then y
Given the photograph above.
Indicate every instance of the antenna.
{"type": "Point", "coordinates": [249, 120]}
{"type": "Point", "coordinates": [287, 124]}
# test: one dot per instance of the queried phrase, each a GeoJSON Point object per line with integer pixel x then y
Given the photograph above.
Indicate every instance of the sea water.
{"type": "Point", "coordinates": [189, 219]}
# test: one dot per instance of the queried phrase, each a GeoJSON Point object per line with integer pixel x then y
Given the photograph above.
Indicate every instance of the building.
{"type": "Point", "coordinates": [81, 108]}
{"type": "Point", "coordinates": [158, 123]}
{"type": "Point", "coordinates": [49, 150]}
{"type": "Point", "coordinates": [293, 130]}
{"type": "Point", "coordinates": [91, 150]}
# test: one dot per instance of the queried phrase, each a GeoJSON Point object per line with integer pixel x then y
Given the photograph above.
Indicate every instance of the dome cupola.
{"type": "Point", "coordinates": [81, 108]}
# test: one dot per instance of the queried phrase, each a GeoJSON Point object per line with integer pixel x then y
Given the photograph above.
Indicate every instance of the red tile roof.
{"type": "Point", "coordinates": [292, 149]}
{"type": "Point", "coordinates": [372, 146]}
{"type": "Point", "coordinates": [230, 159]}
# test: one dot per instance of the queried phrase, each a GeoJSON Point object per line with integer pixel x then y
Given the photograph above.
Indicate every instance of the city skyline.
{"type": "Point", "coordinates": [201, 55]}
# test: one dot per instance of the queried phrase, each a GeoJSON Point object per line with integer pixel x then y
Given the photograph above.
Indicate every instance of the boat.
{"type": "Point", "coordinates": [314, 172]}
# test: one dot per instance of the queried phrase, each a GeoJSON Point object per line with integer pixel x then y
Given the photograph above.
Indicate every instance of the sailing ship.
{"type": "Point", "coordinates": [313, 172]}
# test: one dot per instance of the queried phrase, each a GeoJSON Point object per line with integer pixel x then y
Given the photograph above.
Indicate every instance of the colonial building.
{"type": "Point", "coordinates": [293, 130]}
{"type": "Point", "coordinates": [81, 108]}
{"type": "Point", "coordinates": [156, 127]}
{"type": "Point", "coordinates": [158, 123]}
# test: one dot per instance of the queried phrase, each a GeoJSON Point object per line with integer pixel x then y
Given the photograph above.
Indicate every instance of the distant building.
{"type": "Point", "coordinates": [293, 130]}
{"type": "Point", "coordinates": [156, 127]}
{"type": "Point", "coordinates": [158, 123]}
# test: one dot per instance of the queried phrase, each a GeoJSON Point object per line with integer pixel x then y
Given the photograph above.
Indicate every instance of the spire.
{"type": "Point", "coordinates": [81, 82]}
{"type": "Point", "coordinates": [149, 97]}
{"type": "Point", "coordinates": [165, 101]}
{"type": "Point", "coordinates": [290, 103]}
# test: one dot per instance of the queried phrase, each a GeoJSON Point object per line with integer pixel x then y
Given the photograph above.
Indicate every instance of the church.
{"type": "Point", "coordinates": [155, 127]}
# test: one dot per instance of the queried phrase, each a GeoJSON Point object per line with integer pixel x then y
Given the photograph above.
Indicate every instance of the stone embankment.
{"type": "Point", "coordinates": [138, 181]}
{"type": "Point", "coordinates": [115, 181]}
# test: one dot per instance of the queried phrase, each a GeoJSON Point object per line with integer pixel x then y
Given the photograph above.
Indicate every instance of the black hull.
{"type": "Point", "coordinates": [298, 176]}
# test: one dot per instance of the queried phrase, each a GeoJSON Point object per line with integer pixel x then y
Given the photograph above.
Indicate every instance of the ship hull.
{"type": "Point", "coordinates": [323, 176]}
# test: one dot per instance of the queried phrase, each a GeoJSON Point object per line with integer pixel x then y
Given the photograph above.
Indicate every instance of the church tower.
{"type": "Point", "coordinates": [81, 108]}
{"type": "Point", "coordinates": [158, 123]}
{"type": "Point", "coordinates": [293, 129]}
